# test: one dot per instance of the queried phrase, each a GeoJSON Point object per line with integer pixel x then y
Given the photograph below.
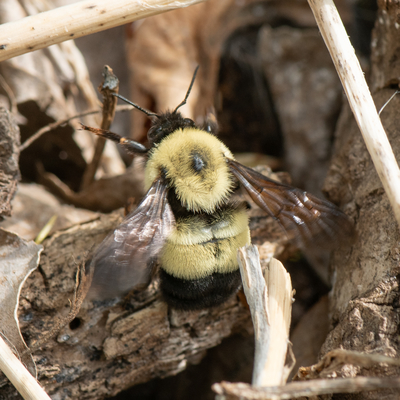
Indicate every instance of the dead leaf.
{"type": "Point", "coordinates": [18, 259]}
{"type": "Point", "coordinates": [33, 206]}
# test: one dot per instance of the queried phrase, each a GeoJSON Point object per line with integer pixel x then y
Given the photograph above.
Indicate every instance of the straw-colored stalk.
{"type": "Point", "coordinates": [359, 97]}
{"type": "Point", "coordinates": [19, 376]}
{"type": "Point", "coordinates": [76, 20]}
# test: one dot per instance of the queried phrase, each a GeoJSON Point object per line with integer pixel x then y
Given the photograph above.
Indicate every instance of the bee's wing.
{"type": "Point", "coordinates": [126, 257]}
{"type": "Point", "coordinates": [306, 219]}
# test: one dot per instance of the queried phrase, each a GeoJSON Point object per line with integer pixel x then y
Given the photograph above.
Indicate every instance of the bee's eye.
{"type": "Point", "coordinates": [188, 122]}
{"type": "Point", "coordinates": [198, 162]}
{"type": "Point", "coordinates": [155, 130]}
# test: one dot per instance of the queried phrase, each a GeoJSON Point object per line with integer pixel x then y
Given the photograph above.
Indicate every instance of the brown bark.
{"type": "Point", "coordinates": [111, 346]}
{"type": "Point", "coordinates": [365, 295]}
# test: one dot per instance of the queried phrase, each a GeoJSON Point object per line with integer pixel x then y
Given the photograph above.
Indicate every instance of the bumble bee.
{"type": "Point", "coordinates": [188, 224]}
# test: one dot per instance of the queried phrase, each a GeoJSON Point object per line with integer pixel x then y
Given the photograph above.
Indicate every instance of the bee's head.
{"type": "Point", "coordinates": [165, 124]}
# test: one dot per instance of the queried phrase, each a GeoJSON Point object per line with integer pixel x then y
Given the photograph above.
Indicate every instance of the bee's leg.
{"type": "Point", "coordinates": [128, 144]}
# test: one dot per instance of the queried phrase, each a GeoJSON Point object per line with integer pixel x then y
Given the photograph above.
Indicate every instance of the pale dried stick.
{"type": "Point", "coordinates": [359, 97]}
{"type": "Point", "coordinates": [51, 126]}
{"type": "Point", "coordinates": [19, 376]}
{"type": "Point", "coordinates": [313, 388]}
{"type": "Point", "coordinates": [56, 124]}
{"type": "Point", "coordinates": [270, 301]}
{"type": "Point", "coordinates": [76, 20]}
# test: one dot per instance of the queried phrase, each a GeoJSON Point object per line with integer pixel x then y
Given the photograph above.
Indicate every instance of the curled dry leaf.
{"type": "Point", "coordinates": [18, 259]}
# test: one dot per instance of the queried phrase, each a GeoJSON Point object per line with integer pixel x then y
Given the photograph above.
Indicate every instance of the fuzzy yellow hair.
{"type": "Point", "coordinates": [198, 191]}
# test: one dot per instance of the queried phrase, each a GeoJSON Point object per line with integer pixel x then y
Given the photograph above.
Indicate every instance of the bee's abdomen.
{"type": "Point", "coordinates": [199, 260]}
{"type": "Point", "coordinates": [203, 245]}
{"type": "Point", "coordinates": [206, 292]}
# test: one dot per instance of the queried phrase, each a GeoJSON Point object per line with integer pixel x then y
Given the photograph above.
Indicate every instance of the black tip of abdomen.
{"type": "Point", "coordinates": [198, 294]}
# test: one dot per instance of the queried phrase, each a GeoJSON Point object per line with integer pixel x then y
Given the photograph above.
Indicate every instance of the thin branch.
{"type": "Point", "coordinates": [335, 359]}
{"type": "Point", "coordinates": [75, 20]}
{"type": "Point", "coordinates": [308, 383]}
{"type": "Point", "coordinates": [56, 124]}
{"type": "Point", "coordinates": [107, 88]}
{"type": "Point", "coordinates": [53, 125]}
{"type": "Point", "coordinates": [311, 388]}
{"type": "Point", "coordinates": [359, 97]}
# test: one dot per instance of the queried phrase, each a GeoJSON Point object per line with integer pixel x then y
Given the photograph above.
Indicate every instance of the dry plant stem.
{"type": "Point", "coordinates": [308, 388]}
{"type": "Point", "coordinates": [335, 359]}
{"type": "Point", "coordinates": [269, 299]}
{"type": "Point", "coordinates": [359, 97]}
{"type": "Point", "coordinates": [56, 124]}
{"type": "Point", "coordinates": [52, 126]}
{"type": "Point", "coordinates": [83, 18]}
{"type": "Point", "coordinates": [109, 86]}
{"type": "Point", "coordinates": [19, 376]}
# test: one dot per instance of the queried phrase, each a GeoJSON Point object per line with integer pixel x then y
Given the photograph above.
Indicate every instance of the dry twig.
{"type": "Point", "coordinates": [52, 126]}
{"type": "Point", "coordinates": [309, 388]}
{"type": "Point", "coordinates": [56, 124]}
{"type": "Point", "coordinates": [359, 97]}
{"type": "Point", "coordinates": [76, 20]}
{"type": "Point", "coordinates": [270, 302]}
{"type": "Point", "coordinates": [107, 88]}
{"type": "Point", "coordinates": [337, 358]}
{"type": "Point", "coordinates": [19, 376]}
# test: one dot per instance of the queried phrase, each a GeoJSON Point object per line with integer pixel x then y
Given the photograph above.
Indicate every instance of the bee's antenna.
{"type": "Point", "coordinates": [189, 90]}
{"type": "Point", "coordinates": [148, 113]}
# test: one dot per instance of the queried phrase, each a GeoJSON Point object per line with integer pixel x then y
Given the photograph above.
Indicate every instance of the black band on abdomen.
{"type": "Point", "coordinates": [200, 293]}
